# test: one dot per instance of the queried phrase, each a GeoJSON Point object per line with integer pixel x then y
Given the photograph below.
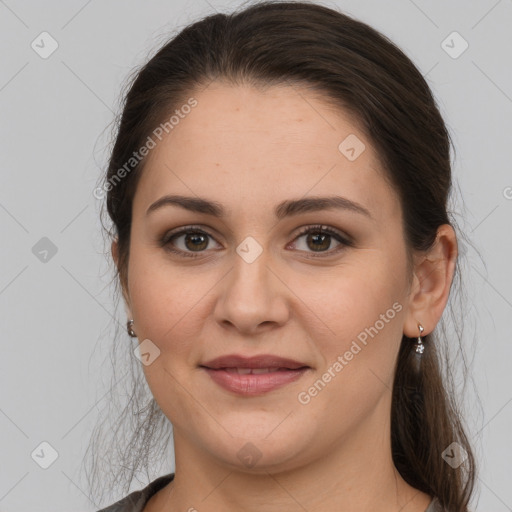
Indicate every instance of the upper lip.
{"type": "Point", "coordinates": [261, 361]}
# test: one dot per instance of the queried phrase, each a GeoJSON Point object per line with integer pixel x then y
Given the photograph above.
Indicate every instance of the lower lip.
{"type": "Point", "coordinates": [254, 384]}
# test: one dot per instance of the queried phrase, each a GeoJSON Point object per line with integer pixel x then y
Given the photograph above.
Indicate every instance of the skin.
{"type": "Point", "coordinates": [250, 149]}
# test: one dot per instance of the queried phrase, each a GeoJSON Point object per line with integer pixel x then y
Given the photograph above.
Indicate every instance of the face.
{"type": "Point", "coordinates": [251, 282]}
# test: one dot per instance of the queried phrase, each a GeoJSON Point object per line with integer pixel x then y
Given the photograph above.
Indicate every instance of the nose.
{"type": "Point", "coordinates": [252, 296]}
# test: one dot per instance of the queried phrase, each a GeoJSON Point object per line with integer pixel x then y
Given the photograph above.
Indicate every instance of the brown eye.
{"type": "Point", "coordinates": [195, 241]}
{"type": "Point", "coordinates": [186, 242]}
{"type": "Point", "coordinates": [319, 240]}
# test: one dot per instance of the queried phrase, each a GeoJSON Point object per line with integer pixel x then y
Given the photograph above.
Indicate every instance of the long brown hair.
{"type": "Point", "coordinates": [359, 70]}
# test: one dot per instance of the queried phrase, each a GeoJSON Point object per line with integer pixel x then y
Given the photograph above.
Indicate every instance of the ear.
{"type": "Point", "coordinates": [433, 275]}
{"type": "Point", "coordinates": [114, 249]}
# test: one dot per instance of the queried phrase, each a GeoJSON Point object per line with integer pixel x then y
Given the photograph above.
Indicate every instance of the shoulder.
{"type": "Point", "coordinates": [135, 501]}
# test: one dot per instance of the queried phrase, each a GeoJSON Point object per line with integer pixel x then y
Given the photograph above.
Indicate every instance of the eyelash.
{"type": "Point", "coordinates": [317, 229]}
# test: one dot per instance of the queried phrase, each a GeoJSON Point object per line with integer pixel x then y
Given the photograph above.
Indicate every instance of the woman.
{"type": "Point", "coordinates": [278, 191]}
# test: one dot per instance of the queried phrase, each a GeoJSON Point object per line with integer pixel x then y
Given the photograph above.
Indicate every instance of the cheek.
{"type": "Point", "coordinates": [352, 298]}
{"type": "Point", "coordinates": [169, 306]}
{"type": "Point", "coordinates": [358, 350]}
{"type": "Point", "coordinates": [357, 329]}
{"type": "Point", "coordinates": [157, 295]}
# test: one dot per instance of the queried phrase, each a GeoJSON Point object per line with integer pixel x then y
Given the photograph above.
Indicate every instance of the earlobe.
{"type": "Point", "coordinates": [433, 275]}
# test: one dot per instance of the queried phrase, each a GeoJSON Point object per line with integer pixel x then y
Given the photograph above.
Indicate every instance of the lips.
{"type": "Point", "coordinates": [252, 376]}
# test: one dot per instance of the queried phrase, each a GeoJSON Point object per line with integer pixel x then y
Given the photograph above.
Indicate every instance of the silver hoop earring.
{"type": "Point", "coordinates": [129, 326]}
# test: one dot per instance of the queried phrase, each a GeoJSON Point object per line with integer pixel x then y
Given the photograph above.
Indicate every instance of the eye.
{"type": "Point", "coordinates": [320, 239]}
{"type": "Point", "coordinates": [196, 240]}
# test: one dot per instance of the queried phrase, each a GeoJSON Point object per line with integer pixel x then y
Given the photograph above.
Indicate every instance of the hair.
{"type": "Point", "coordinates": [361, 72]}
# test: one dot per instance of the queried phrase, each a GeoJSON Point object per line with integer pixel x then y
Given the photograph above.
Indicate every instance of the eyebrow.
{"type": "Point", "coordinates": [284, 209]}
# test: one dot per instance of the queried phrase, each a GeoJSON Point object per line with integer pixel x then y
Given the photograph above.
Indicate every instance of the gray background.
{"type": "Point", "coordinates": [55, 116]}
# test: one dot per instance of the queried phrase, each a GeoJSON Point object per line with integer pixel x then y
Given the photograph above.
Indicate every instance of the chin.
{"type": "Point", "coordinates": [252, 452]}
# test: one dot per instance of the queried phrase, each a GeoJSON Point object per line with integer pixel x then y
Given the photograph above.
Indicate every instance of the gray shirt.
{"type": "Point", "coordinates": [136, 501]}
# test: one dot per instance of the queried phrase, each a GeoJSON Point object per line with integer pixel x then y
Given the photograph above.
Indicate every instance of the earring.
{"type": "Point", "coordinates": [419, 348]}
{"type": "Point", "coordinates": [129, 326]}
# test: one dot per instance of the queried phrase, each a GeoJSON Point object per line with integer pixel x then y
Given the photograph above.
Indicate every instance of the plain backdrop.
{"type": "Point", "coordinates": [55, 302]}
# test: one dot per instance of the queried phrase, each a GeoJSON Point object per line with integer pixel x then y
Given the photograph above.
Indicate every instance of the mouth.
{"type": "Point", "coordinates": [251, 376]}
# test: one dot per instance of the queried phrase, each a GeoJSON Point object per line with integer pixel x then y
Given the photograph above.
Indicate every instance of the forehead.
{"type": "Point", "coordinates": [258, 147]}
